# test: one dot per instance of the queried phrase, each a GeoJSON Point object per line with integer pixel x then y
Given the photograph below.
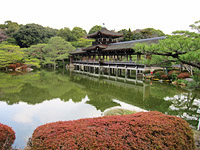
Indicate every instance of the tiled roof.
{"type": "Point", "coordinates": [100, 46]}
{"type": "Point", "coordinates": [130, 44]}
{"type": "Point", "coordinates": [119, 45]}
{"type": "Point", "coordinates": [77, 51]}
{"type": "Point", "coordinates": [106, 32]}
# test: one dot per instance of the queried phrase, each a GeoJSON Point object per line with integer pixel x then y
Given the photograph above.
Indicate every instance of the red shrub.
{"type": "Point", "coordinates": [173, 72]}
{"type": "Point", "coordinates": [7, 137]}
{"type": "Point", "coordinates": [164, 76]}
{"type": "Point", "coordinates": [139, 131]}
{"type": "Point", "coordinates": [184, 75]}
{"type": "Point", "coordinates": [12, 66]}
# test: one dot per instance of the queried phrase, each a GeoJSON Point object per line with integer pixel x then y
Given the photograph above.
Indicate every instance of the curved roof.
{"type": "Point", "coordinates": [130, 44]}
{"type": "Point", "coordinates": [77, 51]}
{"type": "Point", "coordinates": [120, 45]}
{"type": "Point", "coordinates": [105, 32]}
{"type": "Point", "coordinates": [100, 46]}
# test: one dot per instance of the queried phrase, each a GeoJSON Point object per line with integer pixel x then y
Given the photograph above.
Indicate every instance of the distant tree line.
{"type": "Point", "coordinates": [32, 34]}
{"type": "Point", "coordinates": [37, 46]}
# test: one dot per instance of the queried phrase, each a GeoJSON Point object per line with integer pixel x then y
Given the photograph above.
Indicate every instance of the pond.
{"type": "Point", "coordinates": [33, 99]}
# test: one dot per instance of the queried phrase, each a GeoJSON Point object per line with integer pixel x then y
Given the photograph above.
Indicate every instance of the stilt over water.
{"type": "Point", "coordinates": [110, 58]}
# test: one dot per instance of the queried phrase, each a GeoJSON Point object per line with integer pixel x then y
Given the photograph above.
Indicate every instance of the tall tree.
{"type": "Point", "coordinates": [196, 26]}
{"type": "Point", "coordinates": [78, 33]}
{"type": "Point", "coordinates": [95, 29]}
{"type": "Point", "coordinates": [3, 35]}
{"type": "Point", "coordinates": [66, 34]}
{"type": "Point", "coordinates": [31, 34]}
{"type": "Point", "coordinates": [36, 52]}
{"type": "Point", "coordinates": [127, 34]}
{"type": "Point", "coordinates": [147, 33]}
{"type": "Point", "coordinates": [181, 47]}
{"type": "Point", "coordinates": [10, 54]}
{"type": "Point", "coordinates": [82, 42]}
{"type": "Point", "coordinates": [57, 49]}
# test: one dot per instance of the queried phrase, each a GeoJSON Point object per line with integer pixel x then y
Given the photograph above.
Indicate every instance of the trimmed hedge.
{"type": "Point", "coordinates": [139, 131]}
{"type": "Point", "coordinates": [184, 75]}
{"type": "Point", "coordinates": [7, 137]}
{"type": "Point", "coordinates": [174, 72]}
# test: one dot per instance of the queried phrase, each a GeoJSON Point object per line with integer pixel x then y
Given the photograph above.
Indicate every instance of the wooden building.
{"type": "Point", "coordinates": [107, 53]}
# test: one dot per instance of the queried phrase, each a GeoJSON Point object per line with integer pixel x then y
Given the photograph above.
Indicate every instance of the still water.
{"type": "Point", "coordinates": [33, 99]}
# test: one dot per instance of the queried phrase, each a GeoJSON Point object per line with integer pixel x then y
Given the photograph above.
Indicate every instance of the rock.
{"type": "Point", "coordinates": [189, 79]}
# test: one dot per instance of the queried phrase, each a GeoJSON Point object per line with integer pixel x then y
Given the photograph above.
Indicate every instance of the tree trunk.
{"type": "Point", "coordinates": [63, 61]}
{"type": "Point", "coordinates": [54, 65]}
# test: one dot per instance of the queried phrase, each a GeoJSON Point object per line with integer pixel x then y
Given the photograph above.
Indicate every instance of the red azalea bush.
{"type": "Point", "coordinates": [7, 137]}
{"type": "Point", "coordinates": [139, 131]}
{"type": "Point", "coordinates": [173, 72]}
{"type": "Point", "coordinates": [164, 76]}
{"type": "Point", "coordinates": [184, 75]}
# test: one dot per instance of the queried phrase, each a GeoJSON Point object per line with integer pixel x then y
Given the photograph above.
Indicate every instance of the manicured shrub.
{"type": "Point", "coordinates": [173, 72]}
{"type": "Point", "coordinates": [164, 76]}
{"type": "Point", "coordinates": [158, 74]}
{"type": "Point", "coordinates": [139, 131]}
{"type": "Point", "coordinates": [7, 137]}
{"type": "Point", "coordinates": [184, 75]}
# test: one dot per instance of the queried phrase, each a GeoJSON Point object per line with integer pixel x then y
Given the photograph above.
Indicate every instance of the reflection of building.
{"type": "Point", "coordinates": [108, 56]}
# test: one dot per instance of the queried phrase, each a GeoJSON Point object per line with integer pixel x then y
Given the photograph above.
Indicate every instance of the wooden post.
{"type": "Point", "coordinates": [125, 73]}
{"type": "Point", "coordinates": [136, 72]}
{"type": "Point", "coordinates": [117, 72]}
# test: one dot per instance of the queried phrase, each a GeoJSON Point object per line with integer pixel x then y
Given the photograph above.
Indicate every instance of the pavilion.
{"type": "Point", "coordinates": [108, 55]}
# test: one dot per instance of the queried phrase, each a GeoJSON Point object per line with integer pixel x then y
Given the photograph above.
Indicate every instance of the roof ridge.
{"type": "Point", "coordinates": [133, 41]}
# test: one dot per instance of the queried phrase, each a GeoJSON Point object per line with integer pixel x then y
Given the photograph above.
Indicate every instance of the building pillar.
{"type": "Point", "coordinates": [130, 58]}
{"type": "Point", "coordinates": [136, 72]}
{"type": "Point", "coordinates": [138, 57]}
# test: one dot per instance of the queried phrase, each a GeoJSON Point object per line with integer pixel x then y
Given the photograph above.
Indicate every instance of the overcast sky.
{"type": "Point", "coordinates": [166, 15]}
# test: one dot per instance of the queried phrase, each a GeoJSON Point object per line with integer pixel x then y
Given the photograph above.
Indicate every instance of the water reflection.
{"type": "Point", "coordinates": [25, 118]}
{"type": "Point", "coordinates": [33, 99]}
{"type": "Point", "coordinates": [185, 105]}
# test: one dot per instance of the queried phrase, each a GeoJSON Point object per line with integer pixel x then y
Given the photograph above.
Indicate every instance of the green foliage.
{"type": "Point", "coordinates": [158, 74]}
{"type": "Point", "coordinates": [3, 35]}
{"type": "Point", "coordinates": [56, 49]}
{"type": "Point", "coordinates": [66, 34]}
{"type": "Point", "coordinates": [73, 35]}
{"type": "Point", "coordinates": [78, 33]}
{"type": "Point", "coordinates": [10, 54]}
{"type": "Point", "coordinates": [182, 46]}
{"type": "Point", "coordinates": [173, 76]}
{"type": "Point", "coordinates": [82, 42]}
{"type": "Point", "coordinates": [35, 52]}
{"type": "Point", "coordinates": [10, 28]}
{"type": "Point", "coordinates": [31, 34]}
{"type": "Point", "coordinates": [196, 25]}
{"type": "Point", "coordinates": [151, 32]}
{"type": "Point", "coordinates": [37, 87]}
{"type": "Point", "coordinates": [95, 29]}
{"type": "Point", "coordinates": [141, 34]}
{"type": "Point", "coordinates": [127, 34]}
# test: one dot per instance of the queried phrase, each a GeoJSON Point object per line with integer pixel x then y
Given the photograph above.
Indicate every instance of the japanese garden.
{"type": "Point", "coordinates": [105, 89]}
